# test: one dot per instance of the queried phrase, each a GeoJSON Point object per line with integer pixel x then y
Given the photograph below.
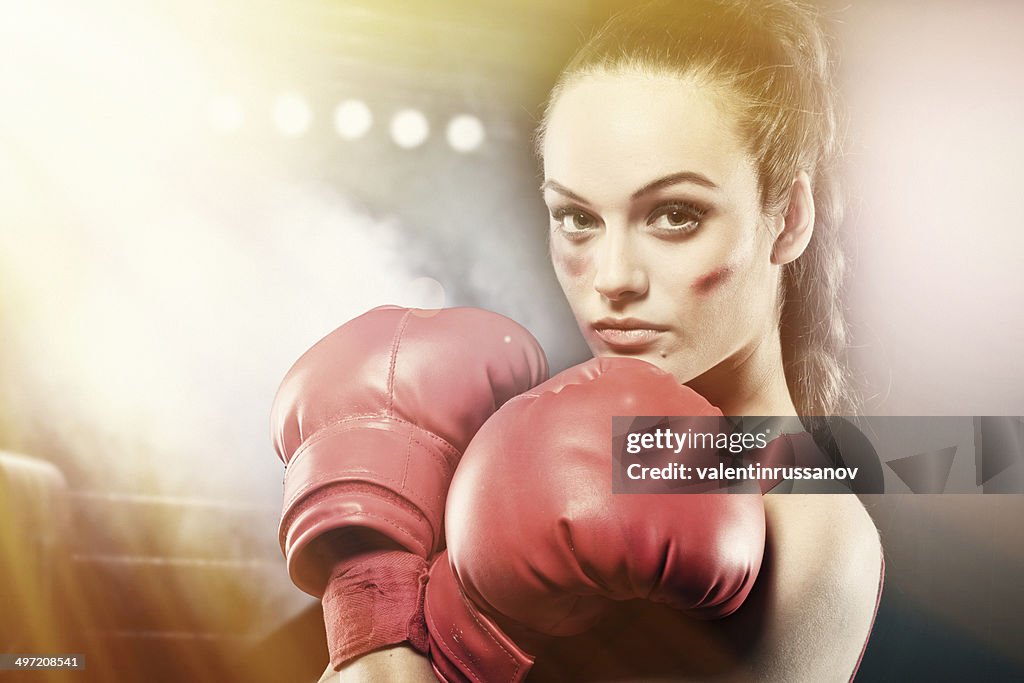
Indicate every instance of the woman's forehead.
{"type": "Point", "coordinates": [617, 130]}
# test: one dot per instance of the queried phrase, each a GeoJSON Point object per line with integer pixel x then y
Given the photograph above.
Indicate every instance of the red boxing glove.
{"type": "Point", "coordinates": [371, 423]}
{"type": "Point", "coordinates": [538, 545]}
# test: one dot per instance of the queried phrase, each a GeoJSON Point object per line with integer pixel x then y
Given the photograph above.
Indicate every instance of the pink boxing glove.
{"type": "Point", "coordinates": [371, 423]}
{"type": "Point", "coordinates": [539, 546]}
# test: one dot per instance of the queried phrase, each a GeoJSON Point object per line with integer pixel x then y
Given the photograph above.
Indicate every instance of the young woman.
{"type": "Point", "coordinates": [689, 153]}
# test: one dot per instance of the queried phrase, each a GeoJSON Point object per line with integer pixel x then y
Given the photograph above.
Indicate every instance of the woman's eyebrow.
{"type": "Point", "coordinates": [666, 181]}
{"type": "Point", "coordinates": [563, 190]}
{"type": "Point", "coordinates": [675, 179]}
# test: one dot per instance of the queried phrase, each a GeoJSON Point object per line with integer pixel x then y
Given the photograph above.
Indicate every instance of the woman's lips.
{"type": "Point", "coordinates": [632, 338]}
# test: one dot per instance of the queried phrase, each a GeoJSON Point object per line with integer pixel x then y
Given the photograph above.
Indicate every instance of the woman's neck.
{"type": "Point", "coordinates": [750, 382]}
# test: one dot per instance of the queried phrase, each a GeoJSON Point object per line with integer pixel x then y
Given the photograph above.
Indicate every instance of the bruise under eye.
{"type": "Point", "coordinates": [571, 264]}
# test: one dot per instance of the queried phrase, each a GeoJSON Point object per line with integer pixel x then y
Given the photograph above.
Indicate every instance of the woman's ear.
{"type": "Point", "coordinates": [798, 225]}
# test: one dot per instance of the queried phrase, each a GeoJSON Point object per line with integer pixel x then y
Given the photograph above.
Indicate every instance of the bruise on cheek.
{"type": "Point", "coordinates": [710, 281]}
{"type": "Point", "coordinates": [573, 265]}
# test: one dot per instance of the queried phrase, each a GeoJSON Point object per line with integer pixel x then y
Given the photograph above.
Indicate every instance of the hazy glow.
{"type": "Point", "coordinates": [409, 128]}
{"type": "Point", "coordinates": [465, 133]}
{"type": "Point", "coordinates": [155, 288]}
{"type": "Point", "coordinates": [352, 119]}
{"type": "Point", "coordinates": [292, 115]}
{"type": "Point", "coordinates": [226, 113]}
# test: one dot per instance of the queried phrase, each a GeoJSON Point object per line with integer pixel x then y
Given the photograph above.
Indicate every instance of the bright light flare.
{"type": "Point", "coordinates": [352, 119]}
{"type": "Point", "coordinates": [409, 128]}
{"type": "Point", "coordinates": [465, 133]}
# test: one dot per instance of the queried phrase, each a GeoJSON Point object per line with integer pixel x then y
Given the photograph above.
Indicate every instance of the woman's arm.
{"type": "Point", "coordinates": [398, 663]}
{"type": "Point", "coordinates": [811, 611]}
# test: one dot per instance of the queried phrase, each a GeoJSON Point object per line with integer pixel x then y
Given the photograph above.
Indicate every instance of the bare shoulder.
{"type": "Point", "coordinates": [818, 589]}
{"type": "Point", "coordinates": [838, 521]}
{"type": "Point", "coordinates": [834, 532]}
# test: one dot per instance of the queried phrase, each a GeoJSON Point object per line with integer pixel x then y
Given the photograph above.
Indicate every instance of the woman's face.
{"type": "Point", "coordinates": [657, 233]}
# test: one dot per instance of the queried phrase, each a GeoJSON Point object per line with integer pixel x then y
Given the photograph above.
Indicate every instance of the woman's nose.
{"type": "Point", "coordinates": [620, 273]}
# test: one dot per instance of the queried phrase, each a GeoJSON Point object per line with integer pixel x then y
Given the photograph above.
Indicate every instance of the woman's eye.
{"type": "Point", "coordinates": [677, 218]}
{"type": "Point", "coordinates": [574, 220]}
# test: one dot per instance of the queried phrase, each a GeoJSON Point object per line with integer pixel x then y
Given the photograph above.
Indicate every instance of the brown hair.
{"type": "Point", "coordinates": [771, 60]}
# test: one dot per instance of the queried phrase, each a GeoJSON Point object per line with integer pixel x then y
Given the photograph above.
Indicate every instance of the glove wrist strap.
{"type": "Point", "coordinates": [374, 602]}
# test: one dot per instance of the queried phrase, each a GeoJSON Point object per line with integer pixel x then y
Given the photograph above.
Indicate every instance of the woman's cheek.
{"type": "Point", "coordinates": [569, 264]}
{"type": "Point", "coordinates": [710, 282]}
{"type": "Point", "coordinates": [727, 272]}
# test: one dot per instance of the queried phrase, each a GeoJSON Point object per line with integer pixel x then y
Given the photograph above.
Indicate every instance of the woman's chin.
{"type": "Point", "coordinates": [661, 360]}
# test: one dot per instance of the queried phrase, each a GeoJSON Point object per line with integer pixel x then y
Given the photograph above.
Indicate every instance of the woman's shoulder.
{"type": "Point", "coordinates": [833, 522]}
{"type": "Point", "coordinates": [825, 555]}
{"type": "Point", "coordinates": [841, 509]}
{"type": "Point", "coordinates": [823, 574]}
